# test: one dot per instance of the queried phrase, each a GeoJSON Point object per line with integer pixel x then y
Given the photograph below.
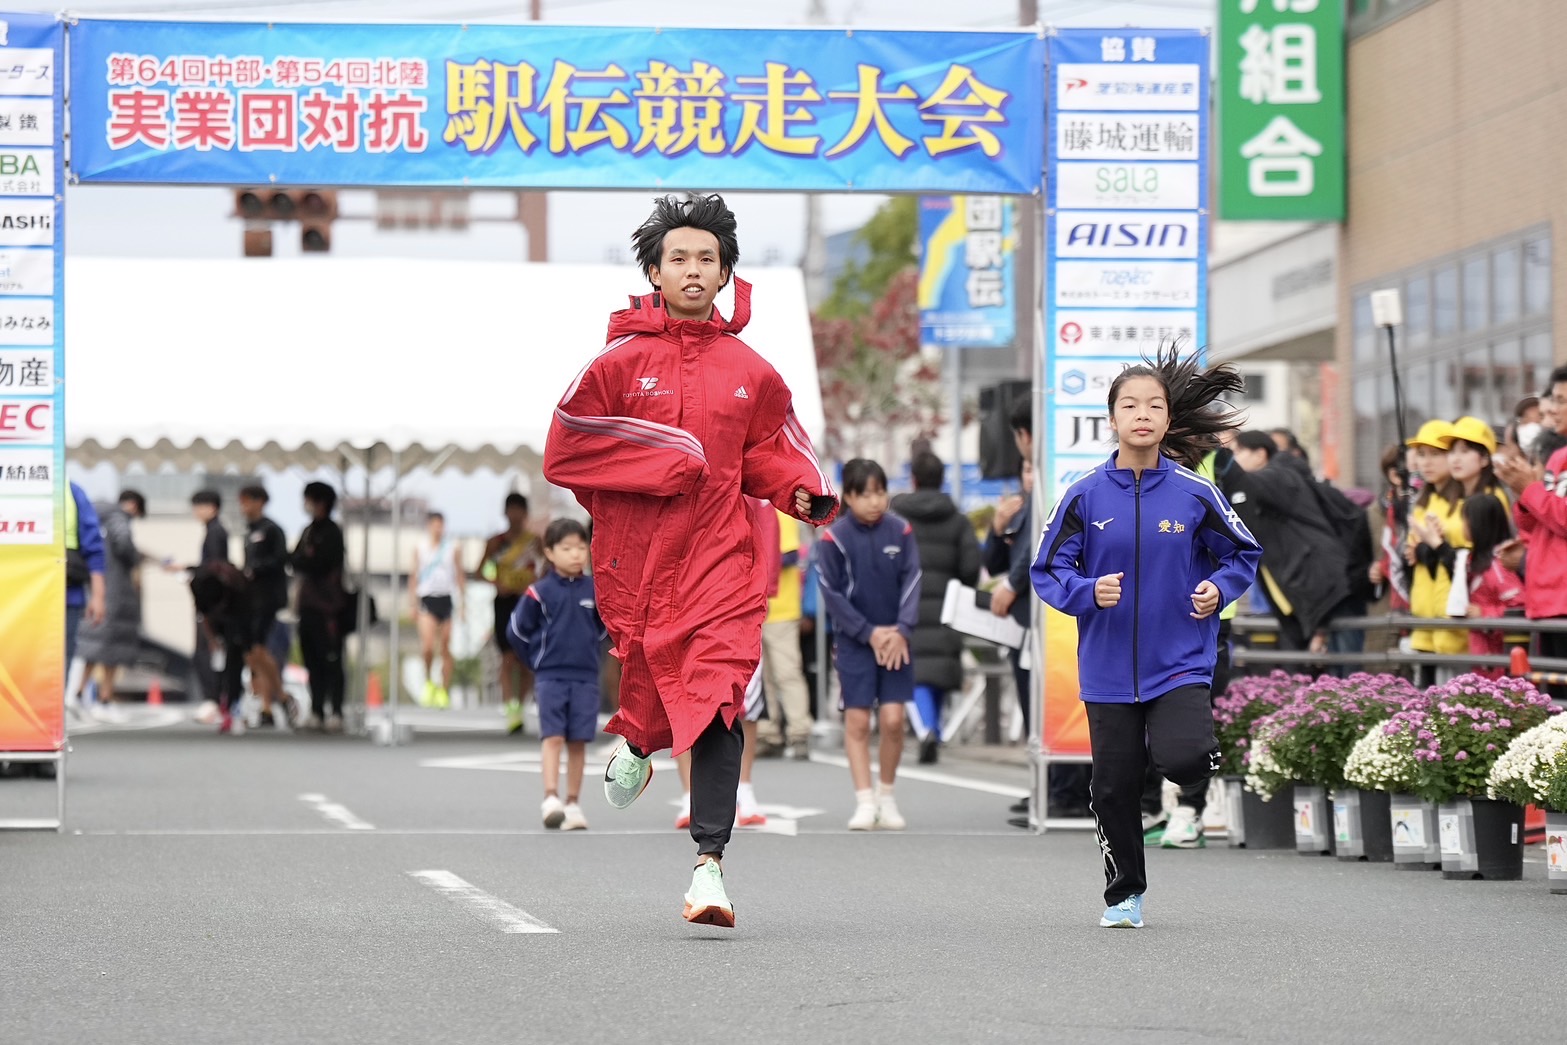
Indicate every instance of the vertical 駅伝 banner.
{"type": "Point", "coordinates": [32, 425]}
{"type": "Point", "coordinates": [966, 283]}
{"type": "Point", "coordinates": [1281, 110]}
{"type": "Point", "coordinates": [1126, 251]}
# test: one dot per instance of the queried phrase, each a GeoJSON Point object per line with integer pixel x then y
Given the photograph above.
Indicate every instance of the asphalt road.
{"type": "Point", "coordinates": [197, 897]}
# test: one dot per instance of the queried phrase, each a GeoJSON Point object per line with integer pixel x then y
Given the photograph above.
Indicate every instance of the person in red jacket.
{"type": "Point", "coordinates": [1540, 508]}
{"type": "Point", "coordinates": [660, 438]}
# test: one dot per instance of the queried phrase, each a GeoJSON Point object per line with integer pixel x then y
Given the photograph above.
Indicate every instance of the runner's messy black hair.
{"type": "Point", "coordinates": [1198, 411]}
{"type": "Point", "coordinates": [709, 213]}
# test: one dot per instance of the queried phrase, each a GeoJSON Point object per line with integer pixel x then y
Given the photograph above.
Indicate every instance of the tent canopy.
{"type": "Point", "coordinates": [293, 362]}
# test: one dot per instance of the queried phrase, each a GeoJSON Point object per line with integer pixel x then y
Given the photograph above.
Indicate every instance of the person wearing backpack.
{"type": "Point", "coordinates": [1305, 567]}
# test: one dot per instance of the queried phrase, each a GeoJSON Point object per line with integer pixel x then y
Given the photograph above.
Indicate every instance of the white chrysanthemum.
{"type": "Point", "coordinates": [1525, 771]}
{"type": "Point", "coordinates": [1264, 775]}
{"type": "Point", "coordinates": [1379, 762]}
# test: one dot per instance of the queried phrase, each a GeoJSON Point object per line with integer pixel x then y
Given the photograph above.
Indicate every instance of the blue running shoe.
{"type": "Point", "coordinates": [1128, 914]}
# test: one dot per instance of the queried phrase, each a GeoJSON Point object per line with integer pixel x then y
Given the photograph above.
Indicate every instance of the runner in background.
{"type": "Point", "coordinates": [435, 591]}
{"type": "Point", "coordinates": [511, 563]}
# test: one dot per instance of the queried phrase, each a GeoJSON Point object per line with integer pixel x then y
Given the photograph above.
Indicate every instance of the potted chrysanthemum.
{"type": "Point", "coordinates": [1380, 770]}
{"type": "Point", "coordinates": [1308, 741]}
{"type": "Point", "coordinates": [1528, 774]}
{"type": "Point", "coordinates": [1469, 723]}
{"type": "Point", "coordinates": [1253, 821]}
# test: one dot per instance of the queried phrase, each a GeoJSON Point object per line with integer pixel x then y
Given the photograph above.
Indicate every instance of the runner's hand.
{"type": "Point", "coordinates": [802, 503]}
{"type": "Point", "coordinates": [1205, 600]}
{"type": "Point", "coordinates": [1107, 590]}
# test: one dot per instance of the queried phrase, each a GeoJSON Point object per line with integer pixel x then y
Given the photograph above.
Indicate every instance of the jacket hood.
{"type": "Point", "coordinates": [925, 506]}
{"type": "Point", "coordinates": [647, 315]}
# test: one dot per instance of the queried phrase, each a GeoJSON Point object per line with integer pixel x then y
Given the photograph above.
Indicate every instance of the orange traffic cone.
{"type": "Point", "coordinates": [155, 694]}
{"type": "Point", "coordinates": [373, 691]}
{"type": "Point", "coordinates": [1519, 668]}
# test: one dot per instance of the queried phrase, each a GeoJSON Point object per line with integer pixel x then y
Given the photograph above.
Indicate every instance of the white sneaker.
{"type": "Point", "coordinates": [887, 816]}
{"type": "Point", "coordinates": [864, 818]}
{"type": "Point", "coordinates": [553, 810]}
{"type": "Point", "coordinates": [1184, 831]}
{"type": "Point", "coordinates": [575, 821]}
{"type": "Point", "coordinates": [207, 713]}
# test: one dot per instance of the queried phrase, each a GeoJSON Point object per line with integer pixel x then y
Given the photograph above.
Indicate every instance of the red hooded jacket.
{"type": "Point", "coordinates": [660, 438]}
{"type": "Point", "coordinates": [1541, 513]}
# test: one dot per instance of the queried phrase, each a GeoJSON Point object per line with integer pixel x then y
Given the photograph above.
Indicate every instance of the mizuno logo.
{"type": "Point", "coordinates": [1102, 525]}
{"type": "Point", "coordinates": [740, 393]}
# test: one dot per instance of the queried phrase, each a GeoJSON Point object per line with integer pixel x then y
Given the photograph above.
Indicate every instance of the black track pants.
{"type": "Point", "coordinates": [715, 777]}
{"type": "Point", "coordinates": [1174, 730]}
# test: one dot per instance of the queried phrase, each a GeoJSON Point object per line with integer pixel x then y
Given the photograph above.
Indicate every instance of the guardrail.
{"type": "Point", "coordinates": [1548, 670]}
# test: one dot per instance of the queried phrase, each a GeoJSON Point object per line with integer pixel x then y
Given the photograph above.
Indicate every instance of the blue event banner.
{"type": "Point", "coordinates": [545, 106]}
{"type": "Point", "coordinates": [966, 296]}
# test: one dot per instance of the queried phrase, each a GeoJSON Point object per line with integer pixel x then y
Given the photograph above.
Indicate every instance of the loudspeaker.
{"type": "Point", "coordinates": [998, 456]}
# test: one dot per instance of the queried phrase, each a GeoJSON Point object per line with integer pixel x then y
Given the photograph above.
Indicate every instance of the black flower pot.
{"type": "Point", "coordinates": [1268, 825]}
{"type": "Point", "coordinates": [1481, 838]}
{"type": "Point", "coordinates": [1362, 827]}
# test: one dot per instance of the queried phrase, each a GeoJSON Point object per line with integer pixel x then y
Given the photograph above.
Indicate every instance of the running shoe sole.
{"type": "Point", "coordinates": [1124, 923]}
{"type": "Point", "coordinates": [709, 916]}
{"type": "Point", "coordinates": [609, 779]}
{"type": "Point", "coordinates": [555, 819]}
{"type": "Point", "coordinates": [755, 820]}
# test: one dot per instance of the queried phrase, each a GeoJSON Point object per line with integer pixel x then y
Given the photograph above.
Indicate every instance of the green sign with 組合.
{"type": "Point", "coordinates": [1281, 110]}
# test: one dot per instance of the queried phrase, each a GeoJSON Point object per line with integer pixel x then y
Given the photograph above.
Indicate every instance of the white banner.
{"type": "Point", "coordinates": [1138, 186]}
{"type": "Point", "coordinates": [1119, 234]}
{"type": "Point", "coordinates": [1164, 87]}
{"type": "Point", "coordinates": [1127, 136]}
{"type": "Point", "coordinates": [26, 473]}
{"type": "Point", "coordinates": [1137, 284]}
{"type": "Point", "coordinates": [1120, 332]}
{"type": "Point", "coordinates": [29, 272]}
{"type": "Point", "coordinates": [27, 520]}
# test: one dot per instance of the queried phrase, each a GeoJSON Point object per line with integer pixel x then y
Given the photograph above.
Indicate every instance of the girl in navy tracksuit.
{"type": "Point", "coordinates": [556, 631]}
{"type": "Point", "coordinates": [870, 577]}
{"type": "Point", "coordinates": [1144, 552]}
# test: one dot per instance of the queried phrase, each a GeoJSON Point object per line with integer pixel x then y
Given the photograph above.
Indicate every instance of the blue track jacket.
{"type": "Point", "coordinates": [1167, 532]}
{"type": "Point", "coordinates": [556, 630]}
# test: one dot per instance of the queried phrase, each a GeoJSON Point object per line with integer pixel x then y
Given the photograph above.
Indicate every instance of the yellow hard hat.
{"type": "Point", "coordinates": [1474, 430]}
{"type": "Point", "coordinates": [1433, 433]}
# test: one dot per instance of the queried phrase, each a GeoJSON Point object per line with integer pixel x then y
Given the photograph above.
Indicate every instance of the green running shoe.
{"type": "Point", "coordinates": [626, 776]}
{"type": "Point", "coordinates": [706, 902]}
{"type": "Point", "coordinates": [513, 717]}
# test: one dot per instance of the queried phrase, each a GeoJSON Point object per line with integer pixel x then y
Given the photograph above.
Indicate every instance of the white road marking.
{"type": "Point", "coordinates": [781, 820]}
{"type": "Point", "coordinates": [524, 762]}
{"type": "Point", "coordinates": [493, 909]}
{"type": "Point", "coordinates": [337, 814]}
{"type": "Point", "coordinates": [932, 776]}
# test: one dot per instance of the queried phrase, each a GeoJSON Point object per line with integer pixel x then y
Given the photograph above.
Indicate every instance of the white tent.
{"type": "Point", "coordinates": [244, 363]}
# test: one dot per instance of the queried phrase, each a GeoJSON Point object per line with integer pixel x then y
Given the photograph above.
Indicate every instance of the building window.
{"type": "Point", "coordinates": [1366, 16]}
{"type": "Point", "coordinates": [1476, 338]}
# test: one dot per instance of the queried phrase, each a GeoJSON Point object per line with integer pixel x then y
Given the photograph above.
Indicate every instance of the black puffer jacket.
{"type": "Point", "coordinates": [948, 549]}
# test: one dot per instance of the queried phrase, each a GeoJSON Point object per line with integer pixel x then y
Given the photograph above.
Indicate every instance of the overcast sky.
{"type": "Point", "coordinates": [585, 227]}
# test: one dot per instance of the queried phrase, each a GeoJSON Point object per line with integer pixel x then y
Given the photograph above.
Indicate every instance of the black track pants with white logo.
{"type": "Point", "coordinates": [1175, 731]}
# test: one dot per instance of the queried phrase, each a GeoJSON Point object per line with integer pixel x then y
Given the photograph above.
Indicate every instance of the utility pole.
{"type": "Point", "coordinates": [533, 210]}
{"type": "Point", "coordinates": [814, 263]}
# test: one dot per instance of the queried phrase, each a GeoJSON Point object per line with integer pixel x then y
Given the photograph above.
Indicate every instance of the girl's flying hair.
{"type": "Point", "coordinates": [709, 213]}
{"type": "Point", "coordinates": [1198, 411]}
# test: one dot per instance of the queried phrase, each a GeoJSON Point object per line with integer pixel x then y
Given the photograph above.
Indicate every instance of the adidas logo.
{"type": "Point", "coordinates": [740, 393]}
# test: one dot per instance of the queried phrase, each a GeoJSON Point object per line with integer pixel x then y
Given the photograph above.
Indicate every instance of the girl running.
{"type": "Point", "coordinates": [1143, 552]}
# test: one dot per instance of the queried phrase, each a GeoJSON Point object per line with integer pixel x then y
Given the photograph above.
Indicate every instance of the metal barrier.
{"type": "Point", "coordinates": [1544, 670]}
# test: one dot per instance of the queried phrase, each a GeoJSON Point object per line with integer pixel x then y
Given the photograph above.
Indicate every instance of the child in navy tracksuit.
{"type": "Point", "coordinates": [556, 631]}
{"type": "Point", "coordinates": [1144, 552]}
{"type": "Point", "coordinates": [870, 577]}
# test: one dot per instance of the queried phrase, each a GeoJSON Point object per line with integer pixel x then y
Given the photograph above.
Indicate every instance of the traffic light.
{"type": "Point", "coordinates": [314, 209]}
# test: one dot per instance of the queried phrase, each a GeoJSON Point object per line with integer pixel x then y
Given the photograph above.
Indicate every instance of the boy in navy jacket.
{"type": "Point", "coordinates": [870, 577]}
{"type": "Point", "coordinates": [556, 631]}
